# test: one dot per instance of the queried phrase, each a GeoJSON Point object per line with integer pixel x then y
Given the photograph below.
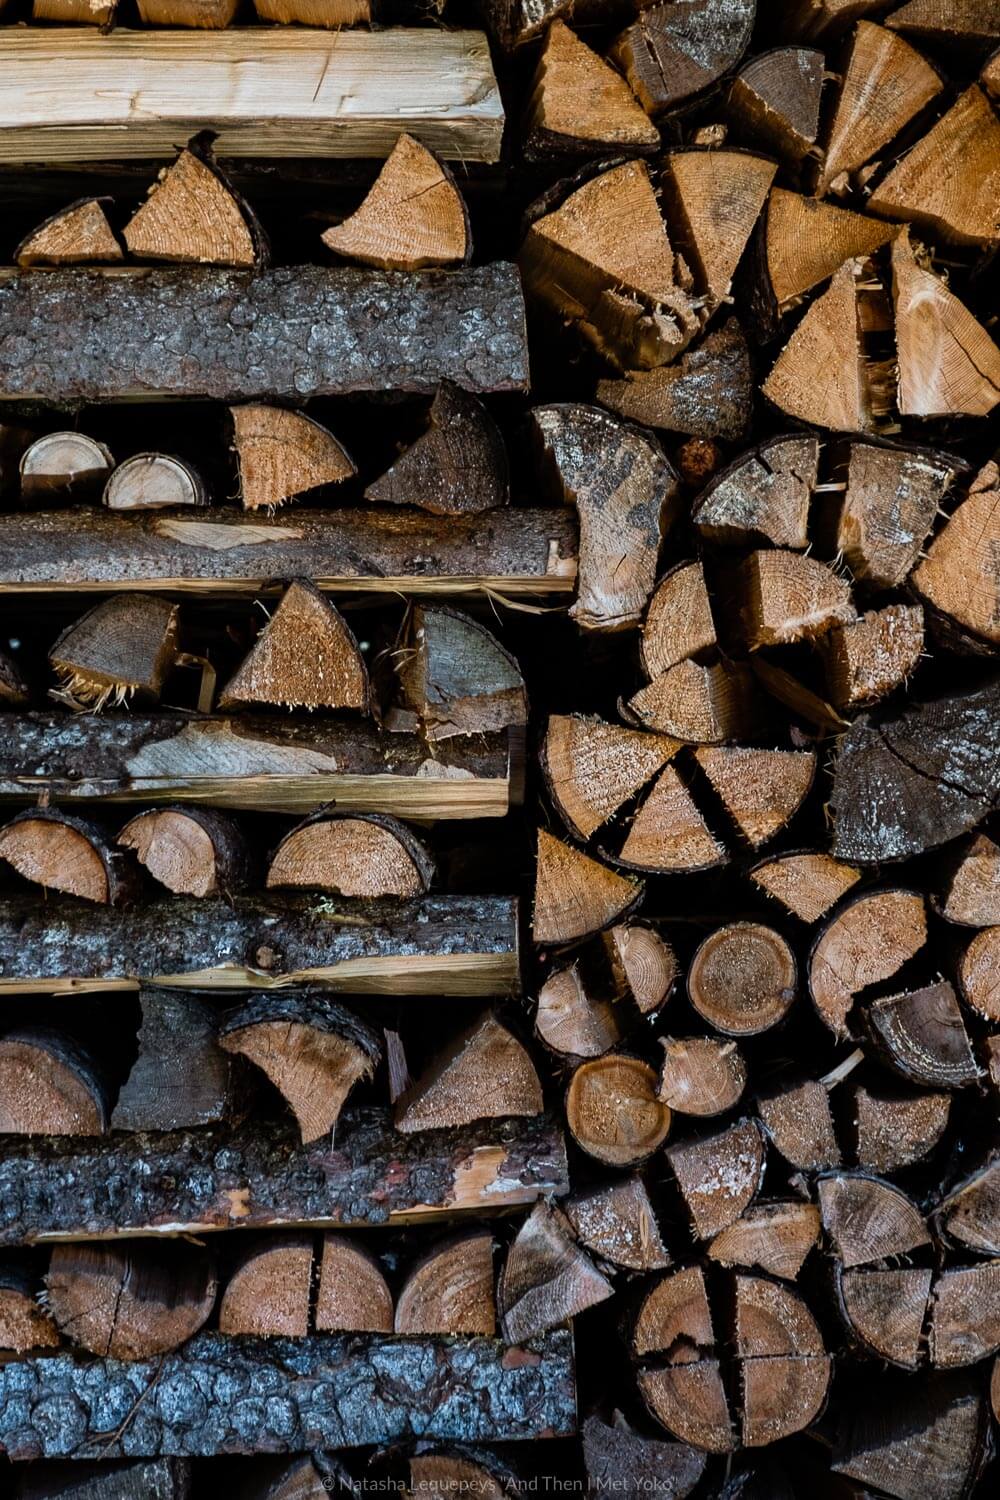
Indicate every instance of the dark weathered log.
{"type": "Point", "coordinates": [450, 1289]}
{"type": "Point", "coordinates": [431, 230]}
{"type": "Point", "coordinates": [263, 764]}
{"type": "Point", "coordinates": [775, 99]}
{"type": "Point", "coordinates": [970, 1214]}
{"type": "Point", "coordinates": [14, 689]}
{"type": "Point", "coordinates": [458, 466]}
{"type": "Point", "coordinates": [283, 1396]}
{"type": "Point", "coordinates": [433, 945]}
{"type": "Point", "coordinates": [894, 1132]}
{"type": "Point", "coordinates": [546, 1279]}
{"type": "Point", "coordinates": [118, 1479]}
{"type": "Point", "coordinates": [263, 1177]}
{"type": "Point", "coordinates": [131, 1301]}
{"type": "Point", "coordinates": [617, 1223]}
{"type": "Point", "coordinates": [484, 1072]}
{"type": "Point", "coordinates": [268, 1290]}
{"type": "Point", "coordinates": [915, 1440]}
{"type": "Point", "coordinates": [708, 392]}
{"type": "Point", "coordinates": [766, 493]}
{"type": "Point", "coordinates": [247, 335]}
{"type": "Point", "coordinates": [965, 1315]}
{"type": "Point", "coordinates": [508, 551]}
{"type": "Point", "coordinates": [616, 1457]}
{"type": "Point", "coordinates": [885, 1310]}
{"type": "Point", "coordinates": [672, 52]}
{"type": "Point", "coordinates": [180, 1078]}
{"type": "Point", "coordinates": [922, 1035]}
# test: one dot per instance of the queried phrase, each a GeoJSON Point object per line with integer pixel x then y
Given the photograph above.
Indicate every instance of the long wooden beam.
{"type": "Point", "coordinates": [255, 763]}
{"type": "Point", "coordinates": [432, 945]}
{"type": "Point", "coordinates": [73, 94]}
{"type": "Point", "coordinates": [219, 1394]}
{"type": "Point", "coordinates": [259, 1175]}
{"type": "Point", "coordinates": [195, 332]}
{"type": "Point", "coordinates": [505, 551]}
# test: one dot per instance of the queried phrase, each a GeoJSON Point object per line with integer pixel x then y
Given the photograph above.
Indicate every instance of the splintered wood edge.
{"type": "Point", "coordinates": [561, 582]}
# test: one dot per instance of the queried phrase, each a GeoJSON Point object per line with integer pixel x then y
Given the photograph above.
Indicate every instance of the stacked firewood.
{"type": "Point", "coordinates": [500, 777]}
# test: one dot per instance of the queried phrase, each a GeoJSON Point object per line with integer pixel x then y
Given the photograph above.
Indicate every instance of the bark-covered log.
{"type": "Point", "coordinates": [433, 945]}
{"type": "Point", "coordinates": [246, 335]}
{"type": "Point", "coordinates": [248, 762]}
{"type": "Point", "coordinates": [119, 1479]}
{"type": "Point", "coordinates": [225, 1395]}
{"type": "Point", "coordinates": [509, 551]}
{"type": "Point", "coordinates": [261, 1176]}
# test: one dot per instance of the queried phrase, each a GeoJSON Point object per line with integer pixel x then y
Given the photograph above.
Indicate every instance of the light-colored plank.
{"type": "Point", "coordinates": [74, 94]}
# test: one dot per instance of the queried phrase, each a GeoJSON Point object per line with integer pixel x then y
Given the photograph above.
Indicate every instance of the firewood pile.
{"type": "Point", "coordinates": [500, 755]}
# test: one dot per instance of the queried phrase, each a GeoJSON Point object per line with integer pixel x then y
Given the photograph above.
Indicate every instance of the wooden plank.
{"type": "Point", "coordinates": [256, 763]}
{"type": "Point", "coordinates": [219, 1394]}
{"type": "Point", "coordinates": [200, 332]}
{"type": "Point", "coordinates": [433, 945]}
{"type": "Point", "coordinates": [259, 1175]}
{"type": "Point", "coordinates": [74, 94]}
{"type": "Point", "coordinates": [382, 551]}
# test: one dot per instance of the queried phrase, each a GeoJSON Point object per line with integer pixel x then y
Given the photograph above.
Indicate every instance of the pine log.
{"type": "Point", "coordinates": [123, 1479]}
{"type": "Point", "coordinates": [574, 1022]}
{"type": "Point", "coordinates": [484, 1072]}
{"type": "Point", "coordinates": [799, 1122]}
{"type": "Point", "coordinates": [874, 655]}
{"type": "Point", "coordinates": [305, 657]}
{"type": "Point", "coordinates": [895, 1132]}
{"type": "Point", "coordinates": [806, 884]}
{"type": "Point", "coordinates": [716, 198]}
{"type": "Point", "coordinates": [457, 467]}
{"type": "Point", "coordinates": [191, 216]}
{"type": "Point", "coordinates": [670, 53]}
{"type": "Point", "coordinates": [61, 852]}
{"type": "Point", "coordinates": [885, 1310]}
{"type": "Point", "coordinates": [807, 240]}
{"type": "Point", "coordinates": [436, 945]}
{"type": "Point", "coordinates": [181, 1077]}
{"type": "Point", "coordinates": [578, 103]}
{"type": "Point", "coordinates": [743, 978]}
{"type": "Point", "coordinates": [669, 833]}
{"type": "Point", "coordinates": [286, 1396]}
{"type": "Point", "coordinates": [546, 1278]}
{"type": "Point", "coordinates": [625, 493]}
{"type": "Point", "coordinates": [613, 1110]}
{"type": "Point", "coordinates": [593, 768]}
{"type": "Point", "coordinates": [267, 1292]}
{"type": "Point", "coordinates": [576, 895]}
{"type": "Point", "coordinates": [771, 1237]}
{"type": "Point", "coordinates": [932, 21]}
{"type": "Point", "coordinates": [246, 762]}
{"type": "Point", "coordinates": [765, 493]}
{"type": "Point", "coordinates": [707, 392]}
{"type": "Point", "coordinates": [775, 99]}
{"type": "Point", "coordinates": [120, 650]}
{"type": "Point", "coordinates": [616, 1457]}
{"type": "Point", "coordinates": [456, 677]}
{"type": "Point", "coordinates": [978, 974]}
{"type": "Point", "coordinates": [75, 236]}
{"type": "Point", "coordinates": [955, 577]}
{"type": "Point", "coordinates": [24, 1323]}
{"type": "Point", "coordinates": [154, 481]}
{"type": "Point", "coordinates": [674, 1313]}
{"type": "Point", "coordinates": [353, 1296]}
{"type": "Point", "coordinates": [451, 1289]}
{"type": "Point", "coordinates": [617, 1224]}
{"type": "Point", "coordinates": [413, 217]}
{"type": "Point", "coordinates": [701, 704]}
{"type": "Point", "coordinates": [719, 1175]}
{"type": "Point", "coordinates": [367, 855]}
{"type": "Point", "coordinates": [77, 12]}
{"type": "Point", "coordinates": [948, 364]}
{"type": "Point", "coordinates": [789, 597]}
{"type": "Point", "coordinates": [130, 1302]}
{"type": "Point", "coordinates": [63, 465]}
{"type": "Point", "coordinates": [865, 943]}
{"type": "Point", "coordinates": [923, 1037]}
{"type": "Point", "coordinates": [701, 1075]}
{"type": "Point", "coordinates": [259, 1176]}
{"type": "Point", "coordinates": [970, 1213]}
{"type": "Point", "coordinates": [761, 790]}
{"type": "Point", "coordinates": [192, 851]}
{"type": "Point", "coordinates": [965, 1315]}
{"type": "Point", "coordinates": [678, 622]}
{"type": "Point", "coordinates": [644, 967]}
{"type": "Point", "coordinates": [439, 85]}
{"type": "Point", "coordinates": [891, 500]}
{"type": "Point", "coordinates": [49, 1086]}
{"type": "Point", "coordinates": [868, 1220]}
{"type": "Point", "coordinates": [283, 454]}
{"type": "Point", "coordinates": [785, 1369]}
{"type": "Point", "coordinates": [915, 1440]}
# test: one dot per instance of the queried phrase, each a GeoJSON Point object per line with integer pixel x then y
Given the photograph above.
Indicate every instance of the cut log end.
{"type": "Point", "coordinates": [451, 1289]}
{"type": "Point", "coordinates": [485, 1072]}
{"type": "Point", "coordinates": [63, 853]}
{"type": "Point", "coordinates": [49, 1086]}
{"type": "Point", "coordinates": [268, 1292]}
{"type": "Point", "coordinates": [192, 851]}
{"type": "Point", "coordinates": [119, 650]}
{"type": "Point", "coordinates": [457, 467]}
{"type": "Point", "coordinates": [743, 979]}
{"type": "Point", "coordinates": [130, 1303]}
{"type": "Point", "coordinates": [75, 236]}
{"type": "Point", "coordinates": [283, 454]}
{"type": "Point", "coordinates": [353, 856]}
{"type": "Point", "coordinates": [614, 1112]}
{"type": "Point", "coordinates": [353, 1295]}
{"type": "Point", "coordinates": [154, 481]}
{"type": "Point", "coordinates": [414, 216]}
{"type": "Point", "coordinates": [305, 657]}
{"type": "Point", "coordinates": [192, 216]}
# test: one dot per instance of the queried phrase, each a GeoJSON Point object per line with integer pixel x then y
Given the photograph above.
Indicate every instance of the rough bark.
{"type": "Point", "coordinates": [457, 467]}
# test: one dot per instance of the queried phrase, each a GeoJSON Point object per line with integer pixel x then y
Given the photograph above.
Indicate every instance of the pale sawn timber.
{"type": "Point", "coordinates": [264, 764]}
{"type": "Point", "coordinates": [503, 551]}
{"type": "Point", "coordinates": [76, 94]}
{"type": "Point", "coordinates": [432, 945]}
{"type": "Point", "coordinates": [259, 1175]}
{"type": "Point", "coordinates": [290, 333]}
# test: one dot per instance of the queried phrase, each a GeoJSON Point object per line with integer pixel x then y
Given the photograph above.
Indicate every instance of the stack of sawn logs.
{"type": "Point", "coordinates": [724, 1106]}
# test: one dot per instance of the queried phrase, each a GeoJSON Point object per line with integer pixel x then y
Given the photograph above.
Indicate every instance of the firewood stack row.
{"type": "Point", "coordinates": [500, 777]}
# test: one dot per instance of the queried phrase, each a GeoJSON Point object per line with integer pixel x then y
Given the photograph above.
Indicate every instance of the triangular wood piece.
{"type": "Point", "coordinates": [122, 648]}
{"type": "Point", "coordinates": [547, 1279]}
{"type": "Point", "coordinates": [450, 1291]}
{"type": "Point", "coordinates": [948, 364]}
{"type": "Point", "coordinates": [702, 705]}
{"type": "Point", "coordinates": [885, 83]}
{"type": "Point", "coordinates": [573, 1022]}
{"type": "Point", "coordinates": [367, 855]}
{"type": "Point", "coordinates": [707, 393]}
{"type": "Point", "coordinates": [760, 789]}
{"type": "Point", "coordinates": [788, 596]}
{"type": "Point", "coordinates": [675, 51]}
{"type": "Point", "coordinates": [958, 576]}
{"type": "Point", "coordinates": [603, 260]}
{"type": "Point", "coordinates": [457, 678]}
{"type": "Point", "coordinates": [889, 506]}
{"type": "Point", "coordinates": [948, 20]}
{"type": "Point", "coordinates": [192, 216]}
{"type": "Point", "coordinates": [827, 339]}
{"type": "Point", "coordinates": [282, 454]}
{"type": "Point", "coordinates": [617, 1222]}
{"type": "Point", "coordinates": [485, 1073]}
{"type": "Point", "coordinates": [577, 100]}
{"type": "Point", "coordinates": [869, 659]}
{"type": "Point", "coordinates": [765, 493]}
{"type": "Point", "coordinates": [810, 19]}
{"type": "Point", "coordinates": [715, 199]}
{"type": "Point", "coordinates": [413, 217]}
{"type": "Point", "coordinates": [679, 622]}
{"type": "Point", "coordinates": [807, 239]}
{"type": "Point", "coordinates": [574, 894]}
{"type": "Point", "coordinates": [459, 465]}
{"type": "Point", "coordinates": [775, 97]}
{"type": "Point", "coordinates": [949, 184]}
{"type": "Point", "coordinates": [668, 832]}
{"type": "Point", "coordinates": [76, 236]}
{"type": "Point", "coordinates": [305, 657]}
{"type": "Point", "coordinates": [592, 768]}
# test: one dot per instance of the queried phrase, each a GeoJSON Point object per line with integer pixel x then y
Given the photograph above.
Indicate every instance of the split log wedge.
{"type": "Point", "coordinates": [413, 218]}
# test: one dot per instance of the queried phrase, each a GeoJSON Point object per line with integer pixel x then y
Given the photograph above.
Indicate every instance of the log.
{"type": "Point", "coordinates": [775, 100]}
{"type": "Point", "coordinates": [122, 649]}
{"type": "Point", "coordinates": [191, 216]}
{"type": "Point", "coordinates": [574, 894]}
{"type": "Point", "coordinates": [868, 1220]}
{"type": "Point", "coordinates": [245, 334]}
{"type": "Point", "coordinates": [806, 884]}
{"type": "Point", "coordinates": [154, 481]}
{"type": "Point", "coordinates": [283, 454]}
{"type": "Point", "coordinates": [965, 1316]}
{"type": "Point", "coordinates": [948, 364]}
{"type": "Point", "coordinates": [260, 1176]}
{"type": "Point", "coordinates": [49, 1086]}
{"type": "Point", "coordinates": [24, 1323]}
{"type": "Point", "coordinates": [579, 104]}
{"type": "Point", "coordinates": [701, 1075]}
{"type": "Point", "coordinates": [716, 198]}
{"type": "Point", "coordinates": [434, 945]}
{"type": "Point", "coordinates": [977, 974]}
{"type": "Point", "coordinates": [208, 15]}
{"type": "Point", "coordinates": [930, 21]}
{"type": "Point", "coordinates": [592, 768]}
{"type": "Point", "coordinates": [353, 1296]}
{"type": "Point", "coordinates": [865, 943]}
{"type": "Point", "coordinates": [885, 1311]}
{"type": "Point", "coordinates": [784, 1366]}
{"type": "Point", "coordinates": [707, 392]}
{"type": "Point", "coordinates": [267, 1292]}
{"type": "Point", "coordinates": [14, 690]}
{"type": "Point", "coordinates": [61, 852]}
{"type": "Point", "coordinates": [456, 677]}
{"type": "Point", "coordinates": [896, 1131]}
{"type": "Point", "coordinates": [719, 1175]}
{"type": "Point", "coordinates": [457, 467]}
{"type": "Point", "coordinates": [678, 623]}
{"type": "Point", "coordinates": [923, 1037]}
{"type": "Point", "coordinates": [889, 505]}
{"type": "Point", "coordinates": [915, 1440]}
{"type": "Point", "coordinates": [484, 1072]}
{"type": "Point", "coordinates": [772, 1237]}
{"type": "Point", "coordinates": [77, 235]}
{"type": "Point", "coordinates": [668, 54]}
{"type": "Point", "coordinates": [574, 1022]}
{"type": "Point", "coordinates": [702, 704]}
{"type": "Point", "coordinates": [366, 856]}
{"type": "Point", "coordinates": [669, 833]}
{"type": "Point", "coordinates": [438, 85]}
{"type": "Point", "coordinates": [255, 763]}
{"type": "Point", "coordinates": [873, 656]}
{"type": "Point", "coordinates": [644, 967]}
{"type": "Point", "coordinates": [685, 1395]}
{"type": "Point", "coordinates": [63, 466]}
{"type": "Point", "coordinates": [968, 1214]}
{"type": "Point", "coordinates": [130, 1302]}
{"type": "Point", "coordinates": [809, 19]}
{"type": "Point", "coordinates": [617, 1456]}
{"type": "Point", "coordinates": [954, 576]}
{"type": "Point", "coordinates": [807, 239]}
{"type": "Point", "coordinates": [546, 1278]}
{"type": "Point", "coordinates": [617, 1224]}
{"type": "Point", "coordinates": [614, 1112]}
{"type": "Point", "coordinates": [304, 1394]}
{"type": "Point", "coordinates": [743, 978]}
{"type": "Point", "coordinates": [451, 1289]}
{"type": "Point", "coordinates": [799, 1121]}
{"type": "Point", "coordinates": [788, 597]}
{"type": "Point", "coordinates": [761, 790]}
{"type": "Point", "coordinates": [304, 1478]}
{"type": "Point", "coordinates": [119, 1479]}
{"type": "Point", "coordinates": [765, 493]}
{"type": "Point", "coordinates": [432, 230]}
{"type": "Point", "coordinates": [191, 851]}
{"type": "Point", "coordinates": [306, 656]}
{"type": "Point", "coordinates": [181, 1077]}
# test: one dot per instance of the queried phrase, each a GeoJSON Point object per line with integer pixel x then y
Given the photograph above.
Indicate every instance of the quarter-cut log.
{"type": "Point", "coordinates": [917, 1439]}
{"type": "Point", "coordinates": [453, 945]}
{"type": "Point", "coordinates": [799, 1122]}
{"type": "Point", "coordinates": [643, 965]}
{"type": "Point", "coordinates": [922, 1035]}
{"type": "Point", "coordinates": [369, 855]}
{"type": "Point", "coordinates": [413, 217]}
{"type": "Point", "coordinates": [873, 656]}
{"type": "Point", "coordinates": [77, 235]}
{"type": "Point", "coordinates": [965, 1315]}
{"type": "Point", "coordinates": [789, 597]}
{"type": "Point", "coordinates": [61, 852]}
{"type": "Point", "coordinates": [807, 884]}
{"type": "Point", "coordinates": [451, 1289]}
{"type": "Point", "coordinates": [24, 1324]}
{"type": "Point", "coordinates": [130, 1302]}
{"type": "Point", "coordinates": [578, 102]}
{"type": "Point", "coordinates": [49, 1086]}
{"type": "Point", "coordinates": [123, 1479]}
{"type": "Point", "coordinates": [192, 851]}
{"type": "Point", "coordinates": [457, 678]}
{"type": "Point", "coordinates": [613, 1110]}
{"type": "Point", "coordinates": [701, 1075]}
{"type": "Point", "coordinates": [865, 943]}
{"type": "Point", "coordinates": [305, 657]}
{"type": "Point", "coordinates": [827, 338]}
{"type": "Point", "coordinates": [574, 1022]}
{"type": "Point", "coordinates": [775, 99]}
{"type": "Point", "coordinates": [121, 649]}
{"type": "Point", "coordinates": [678, 622]}
{"type": "Point", "coordinates": [246, 335]}
{"type": "Point", "coordinates": [970, 1214]}
{"type": "Point", "coordinates": [689, 1399]}
{"type": "Point", "coordinates": [63, 465]}
{"type": "Point", "coordinates": [868, 1220]}
{"type": "Point", "coordinates": [669, 833]}
{"type": "Point", "coordinates": [885, 1310]}
{"type": "Point", "coordinates": [674, 51]}
{"type": "Point", "coordinates": [458, 466]}
{"type": "Point", "coordinates": [716, 198]}
{"type": "Point", "coordinates": [719, 1175]}
{"type": "Point", "coordinates": [546, 1279]}
{"type": "Point", "coordinates": [955, 578]}
{"type": "Point", "coordinates": [181, 1077]}
{"type": "Point", "coordinates": [896, 1131]}
{"type": "Point", "coordinates": [761, 790]}
{"type": "Point", "coordinates": [743, 978]}
{"type": "Point", "coordinates": [192, 216]}
{"type": "Point", "coordinates": [948, 364]}
{"type": "Point", "coordinates": [784, 1368]}
{"type": "Point", "coordinates": [268, 1290]}
{"type": "Point", "coordinates": [617, 1224]}
{"type": "Point", "coordinates": [625, 494]}
{"type": "Point", "coordinates": [484, 1072]}
{"type": "Point", "coordinates": [674, 1317]}
{"type": "Point", "coordinates": [311, 1049]}
{"type": "Point", "coordinates": [593, 768]}
{"type": "Point", "coordinates": [696, 703]}
{"type": "Point", "coordinates": [807, 240]}
{"type": "Point", "coordinates": [353, 1296]}
{"type": "Point", "coordinates": [707, 392]}
{"type": "Point", "coordinates": [283, 454]}
{"type": "Point", "coordinates": [615, 1456]}
{"type": "Point", "coordinates": [771, 1237]}
{"type": "Point", "coordinates": [765, 493]}
{"type": "Point", "coordinates": [574, 894]}
{"type": "Point", "coordinates": [891, 500]}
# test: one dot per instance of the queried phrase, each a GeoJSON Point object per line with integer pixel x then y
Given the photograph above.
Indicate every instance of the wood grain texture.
{"type": "Point", "coordinates": [77, 95]}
